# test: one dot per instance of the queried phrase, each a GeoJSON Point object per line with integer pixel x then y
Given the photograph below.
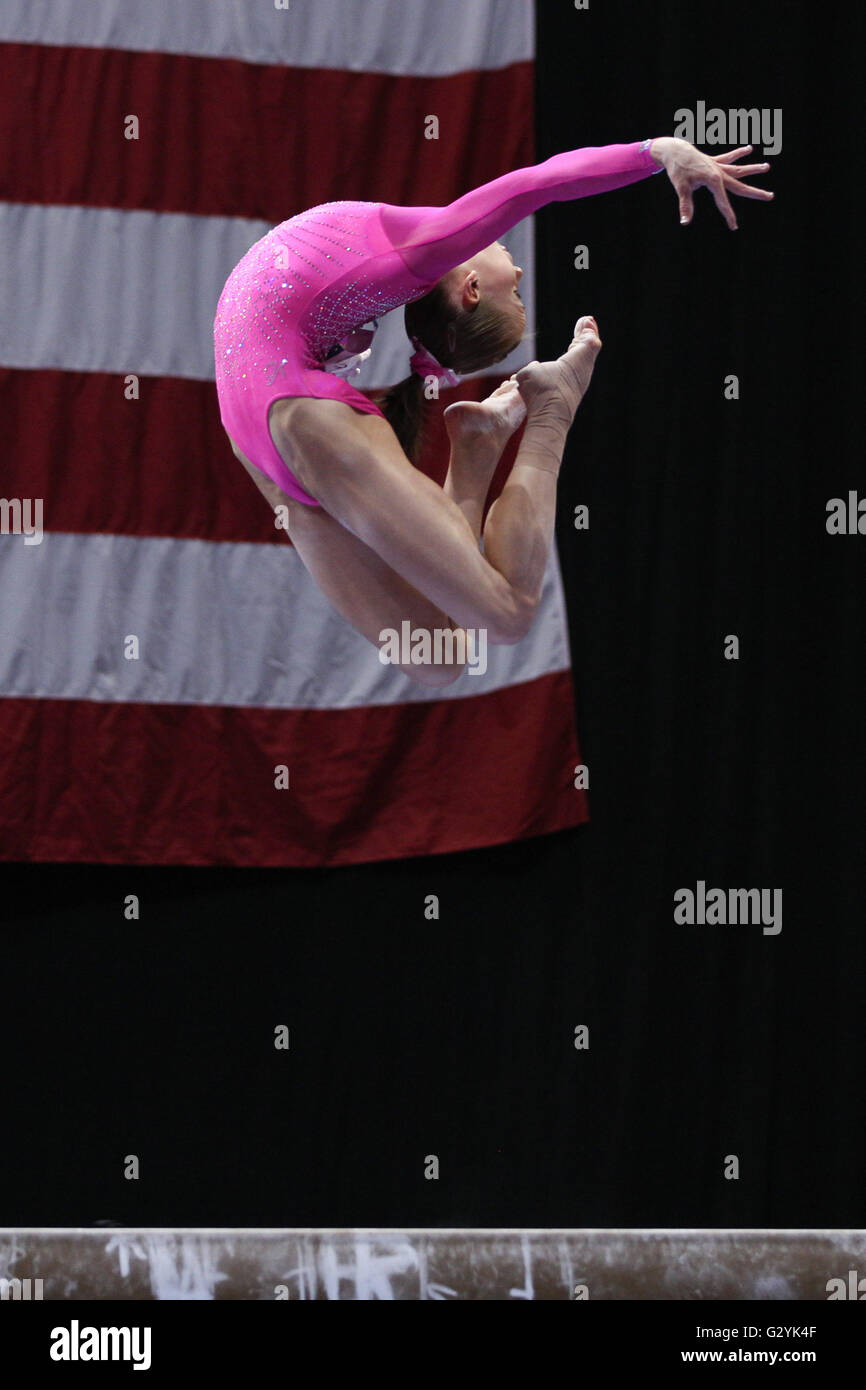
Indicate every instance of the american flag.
{"type": "Point", "coordinates": [163, 652]}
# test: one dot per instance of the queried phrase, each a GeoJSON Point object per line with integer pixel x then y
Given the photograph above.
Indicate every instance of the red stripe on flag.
{"type": "Point", "coordinates": [219, 136]}
{"type": "Point", "coordinates": [184, 784]}
{"type": "Point", "coordinates": [158, 466]}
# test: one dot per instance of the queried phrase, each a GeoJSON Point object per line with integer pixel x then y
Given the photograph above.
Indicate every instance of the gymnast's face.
{"type": "Point", "coordinates": [492, 275]}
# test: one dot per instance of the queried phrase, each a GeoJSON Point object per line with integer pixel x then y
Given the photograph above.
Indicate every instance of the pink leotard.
{"type": "Point", "coordinates": [314, 279]}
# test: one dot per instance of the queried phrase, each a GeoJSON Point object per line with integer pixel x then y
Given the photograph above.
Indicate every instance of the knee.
{"type": "Point", "coordinates": [512, 627]}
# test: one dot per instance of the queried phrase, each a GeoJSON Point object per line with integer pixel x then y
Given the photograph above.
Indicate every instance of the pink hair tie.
{"type": "Point", "coordinates": [424, 363]}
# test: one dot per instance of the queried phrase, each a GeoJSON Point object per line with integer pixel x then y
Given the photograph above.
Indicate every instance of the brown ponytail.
{"type": "Point", "coordinates": [403, 408]}
{"type": "Point", "coordinates": [466, 340]}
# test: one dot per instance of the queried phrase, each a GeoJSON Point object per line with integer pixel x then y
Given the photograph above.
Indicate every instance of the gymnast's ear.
{"type": "Point", "coordinates": [469, 291]}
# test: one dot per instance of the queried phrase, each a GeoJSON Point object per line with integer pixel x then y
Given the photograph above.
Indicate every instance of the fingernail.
{"type": "Point", "coordinates": [683, 220]}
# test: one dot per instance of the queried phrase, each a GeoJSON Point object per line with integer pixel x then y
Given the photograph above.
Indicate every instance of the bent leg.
{"type": "Point", "coordinates": [362, 588]}
{"type": "Point", "coordinates": [369, 594]}
{"type": "Point", "coordinates": [479, 431]}
{"type": "Point", "coordinates": [353, 464]}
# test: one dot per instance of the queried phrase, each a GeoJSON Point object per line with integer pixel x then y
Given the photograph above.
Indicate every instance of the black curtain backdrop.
{"type": "Point", "coordinates": [455, 1038]}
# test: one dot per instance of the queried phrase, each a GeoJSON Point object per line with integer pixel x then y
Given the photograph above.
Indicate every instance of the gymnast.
{"type": "Point", "coordinates": [383, 542]}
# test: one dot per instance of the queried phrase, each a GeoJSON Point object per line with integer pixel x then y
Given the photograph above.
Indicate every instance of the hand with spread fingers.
{"type": "Point", "coordinates": [688, 168]}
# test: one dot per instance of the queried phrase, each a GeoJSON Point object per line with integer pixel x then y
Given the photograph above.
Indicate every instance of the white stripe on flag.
{"type": "Point", "coordinates": [218, 623]}
{"type": "Point", "coordinates": [413, 37]}
{"type": "Point", "coordinates": [107, 290]}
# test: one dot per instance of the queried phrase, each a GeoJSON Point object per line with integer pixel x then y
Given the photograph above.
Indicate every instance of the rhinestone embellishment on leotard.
{"type": "Point", "coordinates": [308, 282]}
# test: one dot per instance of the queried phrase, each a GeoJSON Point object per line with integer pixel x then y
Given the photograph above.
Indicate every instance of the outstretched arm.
{"type": "Point", "coordinates": [432, 240]}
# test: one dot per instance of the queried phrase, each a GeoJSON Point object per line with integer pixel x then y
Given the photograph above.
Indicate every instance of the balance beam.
{"type": "Point", "coordinates": [272, 1264]}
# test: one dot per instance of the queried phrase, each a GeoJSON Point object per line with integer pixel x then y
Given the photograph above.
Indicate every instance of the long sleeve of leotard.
{"type": "Point", "coordinates": [431, 240]}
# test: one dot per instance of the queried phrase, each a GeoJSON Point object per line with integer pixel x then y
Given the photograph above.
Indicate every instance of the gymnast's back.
{"type": "Point", "coordinates": [314, 280]}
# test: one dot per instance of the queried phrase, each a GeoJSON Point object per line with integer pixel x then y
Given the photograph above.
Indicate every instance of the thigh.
{"type": "Point", "coordinates": [366, 591]}
{"type": "Point", "coordinates": [353, 464]}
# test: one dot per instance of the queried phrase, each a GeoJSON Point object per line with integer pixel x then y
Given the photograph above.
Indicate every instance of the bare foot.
{"type": "Point", "coordinates": [559, 387]}
{"type": "Point", "coordinates": [491, 421]}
